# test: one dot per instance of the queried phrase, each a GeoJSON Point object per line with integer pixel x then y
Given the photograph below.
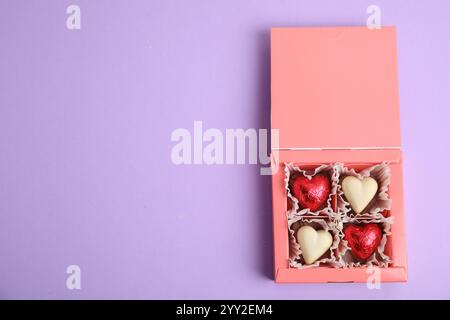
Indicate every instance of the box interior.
{"type": "Point", "coordinates": [358, 160]}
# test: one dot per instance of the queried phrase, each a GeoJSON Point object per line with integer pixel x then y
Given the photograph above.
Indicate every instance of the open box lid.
{"type": "Point", "coordinates": [335, 88]}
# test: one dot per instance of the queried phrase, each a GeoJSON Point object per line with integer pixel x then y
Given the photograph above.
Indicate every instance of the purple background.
{"type": "Point", "coordinates": [85, 124]}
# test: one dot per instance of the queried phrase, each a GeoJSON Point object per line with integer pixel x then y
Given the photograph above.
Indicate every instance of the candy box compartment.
{"type": "Point", "coordinates": [340, 214]}
{"type": "Point", "coordinates": [335, 100]}
{"type": "Point", "coordinates": [395, 247]}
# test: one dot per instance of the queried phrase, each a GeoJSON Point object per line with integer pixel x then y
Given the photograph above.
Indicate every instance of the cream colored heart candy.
{"type": "Point", "coordinates": [313, 243]}
{"type": "Point", "coordinates": [358, 192]}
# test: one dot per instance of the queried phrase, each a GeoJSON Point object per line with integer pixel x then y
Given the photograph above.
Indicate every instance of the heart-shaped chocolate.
{"type": "Point", "coordinates": [358, 192]}
{"type": "Point", "coordinates": [311, 193]}
{"type": "Point", "coordinates": [313, 243]}
{"type": "Point", "coordinates": [363, 239]}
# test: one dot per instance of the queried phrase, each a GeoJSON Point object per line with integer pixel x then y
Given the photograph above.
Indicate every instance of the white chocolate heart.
{"type": "Point", "coordinates": [359, 192]}
{"type": "Point", "coordinates": [313, 243]}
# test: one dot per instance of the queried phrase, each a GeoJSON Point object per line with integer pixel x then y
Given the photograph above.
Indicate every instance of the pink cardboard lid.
{"type": "Point", "coordinates": [335, 87]}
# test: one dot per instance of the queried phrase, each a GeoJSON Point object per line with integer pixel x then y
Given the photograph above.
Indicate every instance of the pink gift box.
{"type": "Point", "coordinates": [335, 99]}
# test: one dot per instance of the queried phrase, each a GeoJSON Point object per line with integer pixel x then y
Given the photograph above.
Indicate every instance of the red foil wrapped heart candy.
{"type": "Point", "coordinates": [311, 194]}
{"type": "Point", "coordinates": [363, 239]}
